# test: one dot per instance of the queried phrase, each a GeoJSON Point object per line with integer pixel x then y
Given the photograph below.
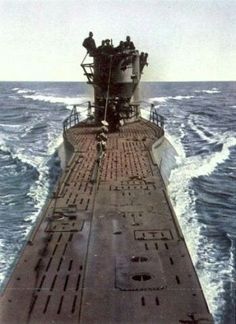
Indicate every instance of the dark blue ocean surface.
{"type": "Point", "coordinates": [200, 121]}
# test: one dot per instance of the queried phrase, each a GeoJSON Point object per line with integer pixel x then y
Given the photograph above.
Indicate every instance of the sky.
{"type": "Point", "coordinates": [187, 40]}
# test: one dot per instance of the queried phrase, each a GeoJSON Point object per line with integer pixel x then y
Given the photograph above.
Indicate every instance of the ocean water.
{"type": "Point", "coordinates": [200, 121]}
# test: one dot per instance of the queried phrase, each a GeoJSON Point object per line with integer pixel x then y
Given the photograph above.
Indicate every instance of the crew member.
{"type": "Point", "coordinates": [108, 48]}
{"type": "Point", "coordinates": [101, 47]}
{"type": "Point", "coordinates": [89, 44]}
{"type": "Point", "coordinates": [120, 47]}
{"type": "Point", "coordinates": [128, 44]}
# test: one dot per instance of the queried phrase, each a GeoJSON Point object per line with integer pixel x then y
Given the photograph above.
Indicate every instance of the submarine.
{"type": "Point", "coordinates": [107, 247]}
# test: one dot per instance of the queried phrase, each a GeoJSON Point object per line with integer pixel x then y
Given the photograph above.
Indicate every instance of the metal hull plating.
{"type": "Point", "coordinates": [110, 251]}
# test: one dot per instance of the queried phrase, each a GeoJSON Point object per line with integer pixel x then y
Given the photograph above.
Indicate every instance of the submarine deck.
{"type": "Point", "coordinates": [108, 251]}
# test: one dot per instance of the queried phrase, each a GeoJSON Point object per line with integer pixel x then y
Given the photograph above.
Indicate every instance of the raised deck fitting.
{"type": "Point", "coordinates": [110, 251]}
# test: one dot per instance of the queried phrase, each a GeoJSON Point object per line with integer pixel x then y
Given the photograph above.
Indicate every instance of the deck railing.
{"type": "Point", "coordinates": [156, 118]}
{"type": "Point", "coordinates": [74, 117]}
{"type": "Point", "coordinates": [72, 120]}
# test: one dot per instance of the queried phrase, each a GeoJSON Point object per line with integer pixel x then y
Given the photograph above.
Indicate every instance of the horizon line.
{"type": "Point", "coordinates": [141, 81]}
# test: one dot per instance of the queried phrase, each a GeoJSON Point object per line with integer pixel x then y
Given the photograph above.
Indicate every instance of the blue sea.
{"type": "Point", "coordinates": [200, 122]}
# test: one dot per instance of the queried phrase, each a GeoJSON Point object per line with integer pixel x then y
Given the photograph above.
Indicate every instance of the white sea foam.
{"type": "Point", "coordinates": [25, 91]}
{"type": "Point", "coordinates": [165, 99]}
{"type": "Point", "coordinates": [54, 143]}
{"type": "Point", "coordinates": [184, 204]}
{"type": "Point", "coordinates": [2, 263]}
{"type": "Point", "coordinates": [194, 126]}
{"type": "Point", "coordinates": [176, 142]}
{"type": "Point", "coordinates": [68, 101]}
{"type": "Point", "coordinates": [159, 99]}
{"type": "Point", "coordinates": [39, 190]}
{"type": "Point", "coordinates": [22, 91]}
{"type": "Point", "coordinates": [181, 97]}
{"type": "Point", "coordinates": [210, 91]}
{"type": "Point", "coordinates": [227, 139]}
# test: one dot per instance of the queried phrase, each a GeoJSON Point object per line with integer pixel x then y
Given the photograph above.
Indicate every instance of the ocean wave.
{"type": "Point", "coordinates": [5, 263]}
{"type": "Point", "coordinates": [23, 91]}
{"type": "Point", "coordinates": [224, 140]}
{"type": "Point", "coordinates": [202, 132]}
{"type": "Point", "coordinates": [3, 146]}
{"type": "Point", "coordinates": [10, 128]}
{"type": "Point", "coordinates": [181, 97]}
{"type": "Point", "coordinates": [53, 143]}
{"type": "Point", "coordinates": [165, 99]}
{"type": "Point", "coordinates": [19, 157]}
{"type": "Point", "coordinates": [159, 99]}
{"type": "Point", "coordinates": [209, 91]}
{"type": "Point", "coordinates": [68, 101]}
{"type": "Point", "coordinates": [39, 190]}
{"type": "Point", "coordinates": [196, 166]}
{"type": "Point", "coordinates": [184, 201]}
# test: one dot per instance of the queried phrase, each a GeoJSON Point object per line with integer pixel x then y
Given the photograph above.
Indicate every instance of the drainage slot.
{"type": "Point", "coordinates": [53, 283]}
{"type": "Point", "coordinates": [166, 246]}
{"type": "Point", "coordinates": [54, 251]}
{"type": "Point", "coordinates": [142, 277]}
{"type": "Point", "coordinates": [177, 280]}
{"type": "Point", "coordinates": [64, 249]}
{"type": "Point", "coordinates": [66, 282]}
{"type": "Point", "coordinates": [73, 306]}
{"type": "Point", "coordinates": [78, 282]}
{"type": "Point", "coordinates": [46, 305]}
{"type": "Point", "coordinates": [70, 238]}
{"type": "Point", "coordinates": [33, 303]}
{"type": "Point", "coordinates": [139, 259]}
{"type": "Point", "coordinates": [60, 305]}
{"type": "Point", "coordinates": [86, 208]}
{"type": "Point", "coordinates": [156, 246]}
{"type": "Point", "coordinates": [59, 265]}
{"type": "Point", "coordinates": [157, 301]}
{"type": "Point", "coordinates": [146, 246]}
{"type": "Point", "coordinates": [49, 263]}
{"type": "Point", "coordinates": [171, 261]}
{"type": "Point", "coordinates": [70, 265]}
{"type": "Point", "coordinates": [59, 238]}
{"type": "Point", "coordinates": [38, 265]}
{"type": "Point", "coordinates": [41, 283]}
{"type": "Point", "coordinates": [143, 301]}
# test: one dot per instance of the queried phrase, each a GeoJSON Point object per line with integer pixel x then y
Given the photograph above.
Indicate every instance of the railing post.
{"type": "Point", "coordinates": [151, 108]}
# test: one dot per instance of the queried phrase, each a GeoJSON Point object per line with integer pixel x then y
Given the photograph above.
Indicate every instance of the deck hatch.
{"type": "Point", "coordinates": [146, 273]}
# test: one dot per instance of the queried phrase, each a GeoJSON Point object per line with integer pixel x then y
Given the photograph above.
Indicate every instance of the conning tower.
{"type": "Point", "coordinates": [115, 74]}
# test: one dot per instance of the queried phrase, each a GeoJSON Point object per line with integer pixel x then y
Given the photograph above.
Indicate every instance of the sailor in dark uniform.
{"type": "Point", "coordinates": [101, 47]}
{"type": "Point", "coordinates": [120, 47]}
{"type": "Point", "coordinates": [128, 44]}
{"type": "Point", "coordinates": [89, 44]}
